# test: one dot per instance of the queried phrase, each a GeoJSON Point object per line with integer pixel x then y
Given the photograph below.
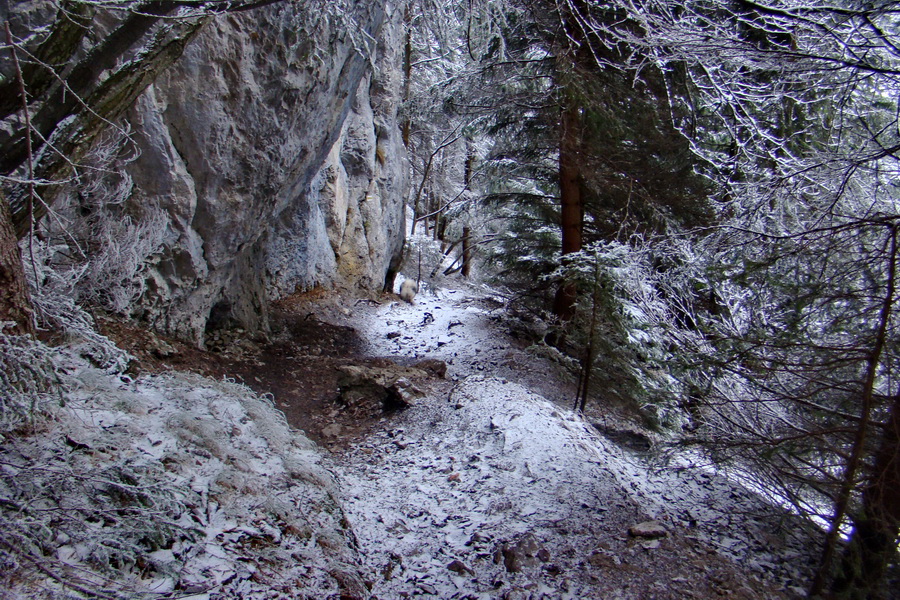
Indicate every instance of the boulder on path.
{"type": "Point", "coordinates": [433, 366]}
{"type": "Point", "coordinates": [390, 385]}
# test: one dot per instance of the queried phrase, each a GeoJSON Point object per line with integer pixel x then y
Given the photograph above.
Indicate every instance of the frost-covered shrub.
{"type": "Point", "coordinates": [113, 276]}
{"type": "Point", "coordinates": [638, 299]}
{"type": "Point", "coordinates": [27, 377]}
{"type": "Point", "coordinates": [53, 298]}
{"type": "Point", "coordinates": [164, 486]}
{"type": "Point", "coordinates": [105, 515]}
{"type": "Point", "coordinates": [98, 239]}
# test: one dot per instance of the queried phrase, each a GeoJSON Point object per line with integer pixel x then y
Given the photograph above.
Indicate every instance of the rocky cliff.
{"type": "Point", "coordinates": [272, 146]}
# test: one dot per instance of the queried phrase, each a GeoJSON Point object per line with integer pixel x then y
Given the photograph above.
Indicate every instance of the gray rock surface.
{"type": "Point", "coordinates": [648, 529]}
{"type": "Point", "coordinates": [273, 146]}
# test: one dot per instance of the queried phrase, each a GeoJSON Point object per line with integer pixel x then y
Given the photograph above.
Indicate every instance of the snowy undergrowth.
{"type": "Point", "coordinates": [167, 486]}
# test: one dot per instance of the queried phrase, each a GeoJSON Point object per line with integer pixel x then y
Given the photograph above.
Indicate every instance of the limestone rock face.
{"type": "Point", "coordinates": [274, 148]}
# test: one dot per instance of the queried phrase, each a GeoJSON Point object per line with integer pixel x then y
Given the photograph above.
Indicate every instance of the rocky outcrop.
{"type": "Point", "coordinates": [273, 147]}
{"type": "Point", "coordinates": [353, 207]}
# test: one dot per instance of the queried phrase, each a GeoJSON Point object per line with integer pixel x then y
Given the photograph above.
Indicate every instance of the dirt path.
{"type": "Point", "coordinates": [488, 489]}
{"type": "Point", "coordinates": [489, 486]}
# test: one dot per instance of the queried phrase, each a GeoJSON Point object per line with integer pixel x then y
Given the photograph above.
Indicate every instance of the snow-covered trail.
{"type": "Point", "coordinates": [463, 488]}
{"type": "Point", "coordinates": [460, 327]}
{"type": "Point", "coordinates": [447, 324]}
{"type": "Point", "coordinates": [485, 489]}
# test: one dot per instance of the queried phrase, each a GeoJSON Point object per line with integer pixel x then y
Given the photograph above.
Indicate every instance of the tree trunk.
{"type": "Point", "coordinates": [856, 460]}
{"type": "Point", "coordinates": [466, 252]}
{"type": "Point", "coordinates": [407, 72]}
{"type": "Point", "coordinates": [15, 306]}
{"type": "Point", "coordinates": [66, 100]}
{"type": "Point", "coordinates": [470, 163]}
{"type": "Point", "coordinates": [50, 57]}
{"type": "Point", "coordinates": [434, 206]}
{"type": "Point", "coordinates": [873, 543]}
{"type": "Point", "coordinates": [572, 205]}
{"type": "Point", "coordinates": [107, 102]}
{"type": "Point", "coordinates": [424, 217]}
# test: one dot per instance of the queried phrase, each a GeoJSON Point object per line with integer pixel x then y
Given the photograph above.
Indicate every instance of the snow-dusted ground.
{"type": "Point", "coordinates": [180, 486]}
{"type": "Point", "coordinates": [166, 487]}
{"type": "Point", "coordinates": [453, 325]}
{"type": "Point", "coordinates": [486, 489]}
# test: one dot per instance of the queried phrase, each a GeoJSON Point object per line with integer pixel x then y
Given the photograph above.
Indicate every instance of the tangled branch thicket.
{"type": "Point", "coordinates": [99, 240]}
{"type": "Point", "coordinates": [27, 377]}
{"type": "Point", "coordinates": [54, 302]}
{"type": "Point", "coordinates": [108, 518]}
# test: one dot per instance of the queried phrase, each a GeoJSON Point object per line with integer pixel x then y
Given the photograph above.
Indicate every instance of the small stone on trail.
{"type": "Point", "coordinates": [459, 567]}
{"type": "Point", "coordinates": [393, 334]}
{"type": "Point", "coordinates": [478, 538]}
{"type": "Point", "coordinates": [649, 529]}
{"type": "Point", "coordinates": [553, 570]}
{"type": "Point", "coordinates": [332, 431]}
{"type": "Point", "coordinates": [161, 348]}
{"type": "Point", "coordinates": [453, 477]}
{"type": "Point", "coordinates": [428, 589]}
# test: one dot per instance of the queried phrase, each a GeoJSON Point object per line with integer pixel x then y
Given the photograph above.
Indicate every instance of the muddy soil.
{"type": "Point", "coordinates": [297, 363]}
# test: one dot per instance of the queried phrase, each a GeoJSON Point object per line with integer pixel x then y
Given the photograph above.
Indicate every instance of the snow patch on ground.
{"type": "Point", "coordinates": [494, 492]}
{"type": "Point", "coordinates": [452, 325]}
{"type": "Point", "coordinates": [458, 479]}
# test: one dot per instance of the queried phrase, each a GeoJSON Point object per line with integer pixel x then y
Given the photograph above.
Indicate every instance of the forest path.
{"type": "Point", "coordinates": [490, 486]}
{"type": "Point", "coordinates": [486, 489]}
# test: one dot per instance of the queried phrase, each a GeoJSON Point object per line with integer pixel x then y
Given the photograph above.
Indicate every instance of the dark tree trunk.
{"type": "Point", "coordinates": [880, 512]}
{"type": "Point", "coordinates": [396, 263]}
{"type": "Point", "coordinates": [93, 102]}
{"type": "Point", "coordinates": [50, 57]}
{"type": "Point", "coordinates": [434, 209]}
{"type": "Point", "coordinates": [423, 210]}
{"type": "Point", "coordinates": [572, 205]}
{"type": "Point", "coordinates": [15, 306]}
{"type": "Point", "coordinates": [466, 252]}
{"type": "Point", "coordinates": [107, 103]}
{"type": "Point", "coordinates": [67, 99]}
{"type": "Point", "coordinates": [873, 543]}
{"type": "Point", "coordinates": [470, 163]}
{"type": "Point", "coordinates": [442, 230]}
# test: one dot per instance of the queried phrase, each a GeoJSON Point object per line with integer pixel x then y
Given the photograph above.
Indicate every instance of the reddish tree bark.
{"type": "Point", "coordinates": [571, 201]}
{"type": "Point", "coordinates": [466, 252]}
